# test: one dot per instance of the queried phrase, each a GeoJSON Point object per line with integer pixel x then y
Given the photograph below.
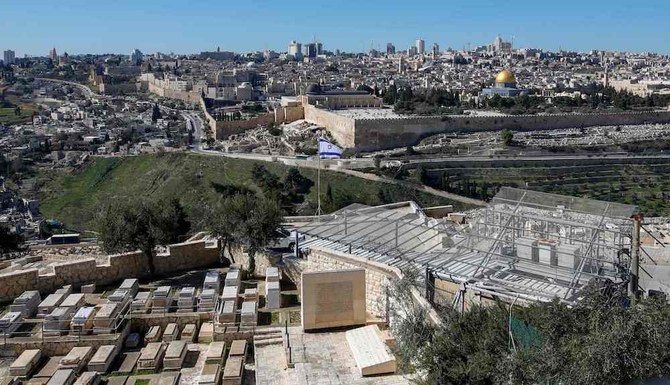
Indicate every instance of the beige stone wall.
{"type": "Point", "coordinates": [178, 257]}
{"type": "Point", "coordinates": [340, 127]}
{"type": "Point", "coordinates": [375, 134]}
{"type": "Point", "coordinates": [378, 277]}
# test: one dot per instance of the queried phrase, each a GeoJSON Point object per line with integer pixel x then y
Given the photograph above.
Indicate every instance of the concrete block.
{"type": "Point", "coordinates": [371, 355]}
{"type": "Point", "coordinates": [333, 298]}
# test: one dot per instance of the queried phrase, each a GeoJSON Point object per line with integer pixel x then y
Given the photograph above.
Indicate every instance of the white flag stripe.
{"type": "Point", "coordinates": [329, 150]}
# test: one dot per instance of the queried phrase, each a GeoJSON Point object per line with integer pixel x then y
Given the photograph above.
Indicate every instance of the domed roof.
{"type": "Point", "coordinates": [505, 76]}
{"type": "Point", "coordinates": [313, 89]}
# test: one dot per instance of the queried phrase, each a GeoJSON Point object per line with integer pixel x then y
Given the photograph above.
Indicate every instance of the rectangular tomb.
{"type": "Point", "coordinates": [251, 294]}
{"type": "Point", "coordinates": [10, 322]}
{"type": "Point", "coordinates": [130, 284]}
{"type": "Point", "coordinates": [208, 300]}
{"type": "Point", "coordinates": [332, 298]}
{"type": "Point", "coordinates": [272, 274]}
{"type": "Point", "coordinates": [230, 293]}
{"type": "Point", "coordinates": [248, 315]}
{"type": "Point", "coordinates": [88, 378]}
{"type": "Point", "coordinates": [26, 303]}
{"type": "Point", "coordinates": [215, 352]}
{"type": "Point", "coordinates": [210, 375]}
{"type": "Point", "coordinates": [188, 333]}
{"type": "Point", "coordinates": [371, 355]}
{"type": "Point", "coordinates": [206, 333]}
{"type": "Point", "coordinates": [238, 348]}
{"type": "Point", "coordinates": [233, 371]}
{"type": "Point", "coordinates": [174, 355]}
{"type": "Point", "coordinates": [226, 314]}
{"type": "Point", "coordinates": [104, 321]}
{"type": "Point", "coordinates": [186, 300]}
{"type": "Point", "coordinates": [77, 358]}
{"type": "Point", "coordinates": [49, 304]}
{"type": "Point", "coordinates": [272, 295]}
{"type": "Point", "coordinates": [26, 363]}
{"type": "Point", "coordinates": [82, 322]}
{"type": "Point", "coordinates": [151, 357]}
{"type": "Point", "coordinates": [62, 377]}
{"type": "Point", "coordinates": [232, 278]}
{"type": "Point", "coordinates": [141, 303]}
{"type": "Point", "coordinates": [212, 281]}
{"type": "Point", "coordinates": [74, 301]}
{"type": "Point", "coordinates": [171, 332]}
{"type": "Point", "coordinates": [153, 335]}
{"type": "Point", "coordinates": [103, 358]}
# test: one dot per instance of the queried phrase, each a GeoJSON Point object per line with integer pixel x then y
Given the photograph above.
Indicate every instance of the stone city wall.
{"type": "Point", "coordinates": [377, 134]}
{"type": "Point", "coordinates": [342, 128]}
{"type": "Point", "coordinates": [186, 96]}
{"type": "Point", "coordinates": [177, 257]}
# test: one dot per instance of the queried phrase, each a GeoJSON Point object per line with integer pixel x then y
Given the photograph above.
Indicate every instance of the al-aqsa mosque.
{"type": "Point", "coordinates": [505, 85]}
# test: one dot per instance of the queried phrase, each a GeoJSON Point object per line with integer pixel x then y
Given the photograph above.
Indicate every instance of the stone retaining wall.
{"type": "Point", "coordinates": [378, 277]}
{"type": "Point", "coordinates": [177, 257]}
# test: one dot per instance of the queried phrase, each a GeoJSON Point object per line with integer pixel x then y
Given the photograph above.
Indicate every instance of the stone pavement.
{"type": "Point", "coordinates": [328, 361]}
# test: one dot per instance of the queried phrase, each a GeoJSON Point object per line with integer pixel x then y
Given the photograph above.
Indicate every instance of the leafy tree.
{"type": "Point", "coordinates": [155, 113]}
{"type": "Point", "coordinates": [9, 242]}
{"type": "Point", "coordinates": [141, 225]}
{"type": "Point", "coordinates": [245, 220]}
{"type": "Point", "coordinates": [507, 137]}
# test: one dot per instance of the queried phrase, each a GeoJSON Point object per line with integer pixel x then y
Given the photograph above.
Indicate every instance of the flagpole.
{"type": "Point", "coordinates": [318, 181]}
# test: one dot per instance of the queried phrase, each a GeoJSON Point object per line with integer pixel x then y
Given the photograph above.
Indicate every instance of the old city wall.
{"type": "Point", "coordinates": [178, 257]}
{"type": "Point", "coordinates": [378, 277]}
{"type": "Point", "coordinates": [186, 96]}
{"type": "Point", "coordinates": [231, 127]}
{"type": "Point", "coordinates": [375, 134]}
{"type": "Point", "coordinates": [340, 127]}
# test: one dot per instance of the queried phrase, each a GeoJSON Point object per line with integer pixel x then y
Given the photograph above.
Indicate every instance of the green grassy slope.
{"type": "Point", "coordinates": [75, 198]}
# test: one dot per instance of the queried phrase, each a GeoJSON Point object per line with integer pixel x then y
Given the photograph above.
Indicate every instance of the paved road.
{"type": "Point", "coordinates": [87, 91]}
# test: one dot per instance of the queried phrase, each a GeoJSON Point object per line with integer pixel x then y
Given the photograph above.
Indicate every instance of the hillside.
{"type": "Point", "coordinates": [76, 197]}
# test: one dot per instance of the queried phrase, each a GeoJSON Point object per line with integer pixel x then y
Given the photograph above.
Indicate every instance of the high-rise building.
{"type": "Point", "coordinates": [390, 49]}
{"type": "Point", "coordinates": [9, 57]}
{"type": "Point", "coordinates": [412, 51]}
{"type": "Point", "coordinates": [54, 56]}
{"type": "Point", "coordinates": [420, 46]}
{"type": "Point", "coordinates": [319, 48]}
{"type": "Point", "coordinates": [295, 49]}
{"type": "Point", "coordinates": [136, 56]}
{"type": "Point", "coordinates": [436, 50]}
{"type": "Point", "coordinates": [309, 50]}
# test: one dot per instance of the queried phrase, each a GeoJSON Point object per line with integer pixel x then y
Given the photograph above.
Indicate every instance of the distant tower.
{"type": "Point", "coordinates": [390, 49]}
{"type": "Point", "coordinates": [295, 49]}
{"type": "Point", "coordinates": [420, 46]}
{"type": "Point", "coordinates": [436, 50]}
{"type": "Point", "coordinates": [401, 65]}
{"type": "Point", "coordinates": [9, 57]}
{"type": "Point", "coordinates": [54, 56]}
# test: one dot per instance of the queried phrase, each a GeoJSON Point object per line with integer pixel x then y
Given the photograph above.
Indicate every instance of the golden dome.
{"type": "Point", "coordinates": [505, 76]}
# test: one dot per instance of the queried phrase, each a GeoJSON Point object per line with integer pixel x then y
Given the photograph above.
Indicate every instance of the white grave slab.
{"type": "Point", "coordinates": [371, 355]}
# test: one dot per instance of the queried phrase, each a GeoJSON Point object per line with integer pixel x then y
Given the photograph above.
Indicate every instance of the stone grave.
{"type": "Point", "coordinates": [232, 278]}
{"type": "Point", "coordinates": [212, 281]}
{"type": "Point", "coordinates": [88, 289]}
{"type": "Point", "coordinates": [208, 300]}
{"type": "Point", "coordinates": [188, 334]}
{"type": "Point", "coordinates": [58, 321]}
{"type": "Point", "coordinates": [130, 284]}
{"type": "Point", "coordinates": [206, 333]}
{"type": "Point", "coordinates": [9, 322]}
{"type": "Point", "coordinates": [49, 368]}
{"type": "Point", "coordinates": [26, 303]}
{"type": "Point", "coordinates": [49, 304]}
{"type": "Point", "coordinates": [249, 315]}
{"type": "Point", "coordinates": [105, 318]}
{"type": "Point", "coordinates": [26, 363]}
{"type": "Point", "coordinates": [62, 377]}
{"type": "Point", "coordinates": [151, 356]}
{"type": "Point", "coordinates": [186, 300]}
{"type": "Point", "coordinates": [162, 299]}
{"type": "Point", "coordinates": [210, 375]}
{"type": "Point", "coordinates": [74, 301]}
{"type": "Point", "coordinates": [238, 348]}
{"type": "Point", "coordinates": [141, 303]}
{"type": "Point", "coordinates": [272, 295]}
{"type": "Point", "coordinates": [226, 314]}
{"type": "Point", "coordinates": [77, 358]}
{"type": "Point", "coordinates": [153, 335]}
{"type": "Point", "coordinates": [272, 274]}
{"type": "Point", "coordinates": [251, 294]}
{"type": "Point", "coordinates": [88, 378]}
{"type": "Point", "coordinates": [174, 355]}
{"type": "Point", "coordinates": [171, 332]}
{"type": "Point", "coordinates": [230, 293]}
{"type": "Point", "coordinates": [233, 371]}
{"type": "Point", "coordinates": [372, 356]}
{"type": "Point", "coordinates": [103, 358]}
{"type": "Point", "coordinates": [128, 362]}
{"type": "Point", "coordinates": [82, 322]}
{"type": "Point", "coordinates": [215, 352]}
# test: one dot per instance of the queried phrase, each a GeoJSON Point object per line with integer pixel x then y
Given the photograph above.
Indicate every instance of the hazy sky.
{"type": "Point", "coordinates": [189, 26]}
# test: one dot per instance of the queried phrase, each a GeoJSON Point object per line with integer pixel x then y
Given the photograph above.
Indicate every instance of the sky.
{"type": "Point", "coordinates": [189, 26]}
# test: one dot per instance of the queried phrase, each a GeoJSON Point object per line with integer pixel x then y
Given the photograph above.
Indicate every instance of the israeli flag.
{"type": "Point", "coordinates": [329, 150]}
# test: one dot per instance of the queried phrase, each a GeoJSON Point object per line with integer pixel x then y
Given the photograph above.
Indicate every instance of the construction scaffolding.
{"type": "Point", "coordinates": [525, 245]}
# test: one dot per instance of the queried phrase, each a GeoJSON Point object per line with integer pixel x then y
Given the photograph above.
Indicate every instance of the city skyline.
{"type": "Point", "coordinates": [80, 27]}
